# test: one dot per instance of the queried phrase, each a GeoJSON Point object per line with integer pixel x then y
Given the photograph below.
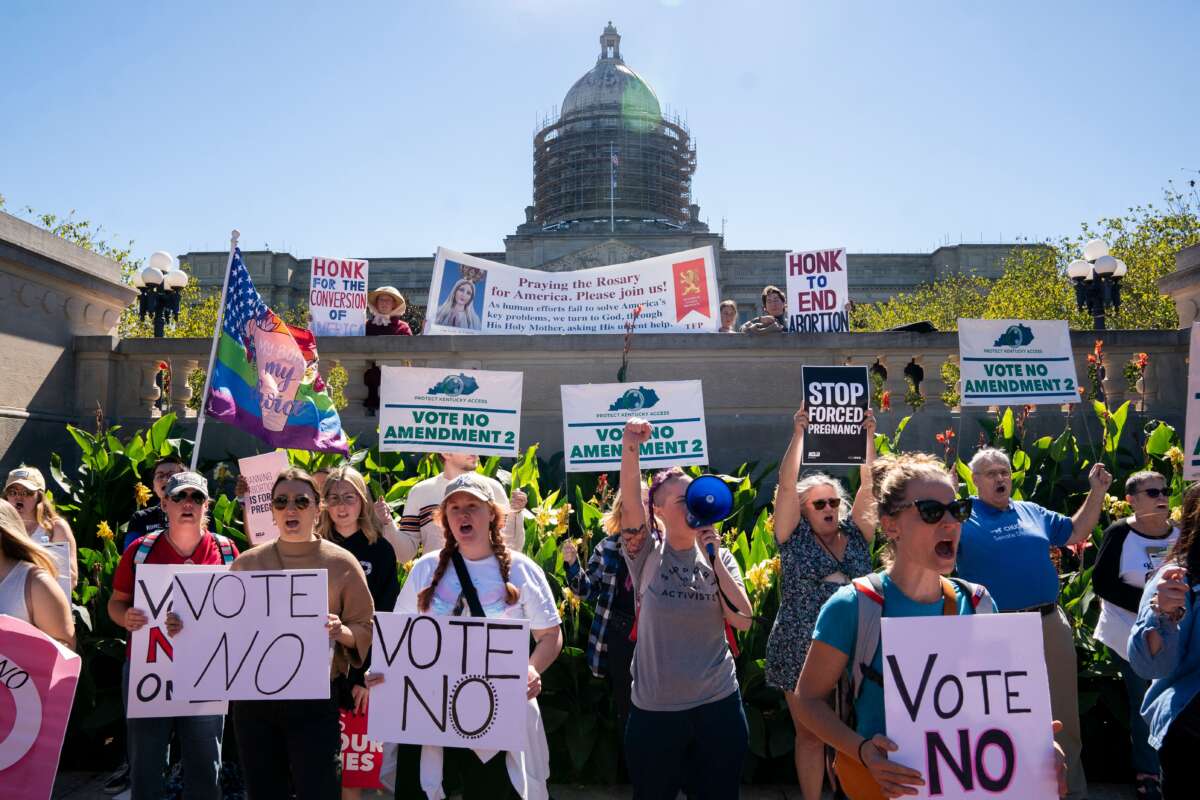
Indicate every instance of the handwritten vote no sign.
{"type": "Point", "coordinates": [454, 681]}
{"type": "Point", "coordinates": [252, 635]}
{"type": "Point", "coordinates": [968, 702]}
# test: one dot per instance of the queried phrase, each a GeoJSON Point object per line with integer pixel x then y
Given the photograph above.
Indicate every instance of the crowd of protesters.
{"type": "Point", "coordinates": [667, 597]}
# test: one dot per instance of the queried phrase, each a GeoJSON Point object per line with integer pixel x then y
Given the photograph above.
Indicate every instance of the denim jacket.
{"type": "Point", "coordinates": [1175, 672]}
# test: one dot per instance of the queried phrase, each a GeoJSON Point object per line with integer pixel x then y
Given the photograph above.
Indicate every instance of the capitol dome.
{"type": "Point", "coordinates": [612, 84]}
{"type": "Point", "coordinates": [611, 154]}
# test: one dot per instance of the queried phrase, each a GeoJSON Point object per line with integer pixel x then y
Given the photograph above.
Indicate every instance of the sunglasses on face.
{"type": "Point", "coordinates": [340, 499]}
{"type": "Point", "coordinates": [301, 501]}
{"type": "Point", "coordinates": [195, 497]}
{"type": "Point", "coordinates": [1154, 492]}
{"type": "Point", "coordinates": [832, 502]}
{"type": "Point", "coordinates": [932, 511]}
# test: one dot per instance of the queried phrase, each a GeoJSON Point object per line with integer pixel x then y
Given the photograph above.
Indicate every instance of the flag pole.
{"type": "Point", "coordinates": [212, 353]}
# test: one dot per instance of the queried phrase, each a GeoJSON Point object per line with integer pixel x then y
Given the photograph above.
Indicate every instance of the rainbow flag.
{"type": "Point", "coordinates": [265, 378]}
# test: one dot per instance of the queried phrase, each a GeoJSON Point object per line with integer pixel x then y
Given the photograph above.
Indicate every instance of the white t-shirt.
{"type": "Point", "coordinates": [416, 523]}
{"type": "Point", "coordinates": [536, 601]}
{"type": "Point", "coordinates": [1140, 558]}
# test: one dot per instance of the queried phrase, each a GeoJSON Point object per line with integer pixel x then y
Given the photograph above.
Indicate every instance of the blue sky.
{"type": "Point", "coordinates": [388, 129]}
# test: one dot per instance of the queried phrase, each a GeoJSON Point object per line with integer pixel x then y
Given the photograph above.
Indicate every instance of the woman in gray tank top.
{"type": "Point", "coordinates": [686, 724]}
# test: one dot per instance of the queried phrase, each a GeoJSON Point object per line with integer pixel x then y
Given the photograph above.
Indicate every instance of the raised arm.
{"type": "Point", "coordinates": [787, 502]}
{"type": "Point", "coordinates": [1084, 521]}
{"type": "Point", "coordinates": [863, 511]}
{"type": "Point", "coordinates": [633, 515]}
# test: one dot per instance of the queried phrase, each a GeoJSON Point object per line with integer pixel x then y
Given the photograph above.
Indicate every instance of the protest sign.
{"type": "Point", "coordinates": [836, 399]}
{"type": "Point", "coordinates": [1016, 362]}
{"type": "Point", "coordinates": [677, 293]}
{"type": "Point", "coordinates": [426, 410]}
{"type": "Point", "coordinates": [61, 553]}
{"type": "Point", "coordinates": [817, 291]}
{"type": "Point", "coordinates": [252, 635]}
{"type": "Point", "coordinates": [452, 681]}
{"type": "Point", "coordinates": [260, 473]}
{"type": "Point", "coordinates": [594, 417]}
{"type": "Point", "coordinates": [968, 702]}
{"type": "Point", "coordinates": [337, 297]}
{"type": "Point", "coordinates": [1191, 428]}
{"type": "Point", "coordinates": [37, 686]}
{"type": "Point", "coordinates": [152, 682]}
{"type": "Point", "coordinates": [362, 757]}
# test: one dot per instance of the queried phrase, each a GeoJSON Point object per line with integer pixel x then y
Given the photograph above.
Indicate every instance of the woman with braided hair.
{"type": "Point", "coordinates": [507, 584]}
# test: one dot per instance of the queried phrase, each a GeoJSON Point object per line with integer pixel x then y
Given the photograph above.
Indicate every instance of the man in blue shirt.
{"type": "Point", "coordinates": [1005, 545]}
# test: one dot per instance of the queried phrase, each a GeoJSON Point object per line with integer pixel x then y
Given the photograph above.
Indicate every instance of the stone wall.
{"type": "Point", "coordinates": [751, 384]}
{"type": "Point", "coordinates": [51, 292]}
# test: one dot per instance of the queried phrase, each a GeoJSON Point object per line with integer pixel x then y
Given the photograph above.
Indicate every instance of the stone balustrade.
{"type": "Point", "coordinates": [751, 383]}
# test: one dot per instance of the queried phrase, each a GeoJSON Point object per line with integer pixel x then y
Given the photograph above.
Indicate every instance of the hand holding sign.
{"type": "Point", "coordinates": [800, 421]}
{"type": "Point", "coordinates": [895, 779]}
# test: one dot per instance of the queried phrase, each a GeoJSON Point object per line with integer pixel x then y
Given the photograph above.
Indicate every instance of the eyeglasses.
{"type": "Point", "coordinates": [932, 511]}
{"type": "Point", "coordinates": [340, 499]}
{"type": "Point", "coordinates": [301, 501]}
{"type": "Point", "coordinates": [832, 502]}
{"type": "Point", "coordinates": [1154, 492]}
{"type": "Point", "coordinates": [17, 491]}
{"type": "Point", "coordinates": [195, 497]}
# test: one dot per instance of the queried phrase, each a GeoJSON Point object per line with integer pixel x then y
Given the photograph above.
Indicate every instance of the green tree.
{"type": "Point", "coordinates": [1034, 285]}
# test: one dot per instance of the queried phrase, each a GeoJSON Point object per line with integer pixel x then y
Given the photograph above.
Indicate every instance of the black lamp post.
{"type": "Point", "coordinates": [1097, 278]}
{"type": "Point", "coordinates": [159, 286]}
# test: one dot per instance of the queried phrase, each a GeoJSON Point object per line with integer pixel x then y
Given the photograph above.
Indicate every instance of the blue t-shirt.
{"type": "Point", "coordinates": [1009, 552]}
{"type": "Point", "coordinates": [837, 626]}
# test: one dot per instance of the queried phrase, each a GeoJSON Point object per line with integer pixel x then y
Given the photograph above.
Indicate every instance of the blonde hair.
{"type": "Point", "coordinates": [499, 550]}
{"type": "Point", "coordinates": [366, 516]}
{"type": "Point", "coordinates": [610, 521]}
{"type": "Point", "coordinates": [296, 474]}
{"type": "Point", "coordinates": [18, 545]}
{"type": "Point", "coordinates": [890, 477]}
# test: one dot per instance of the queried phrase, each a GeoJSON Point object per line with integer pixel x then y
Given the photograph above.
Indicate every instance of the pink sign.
{"type": "Point", "coordinates": [37, 686]}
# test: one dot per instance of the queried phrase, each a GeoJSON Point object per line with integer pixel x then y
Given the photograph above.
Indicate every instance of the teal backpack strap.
{"type": "Point", "coordinates": [143, 551]}
{"type": "Point", "coordinates": [226, 547]}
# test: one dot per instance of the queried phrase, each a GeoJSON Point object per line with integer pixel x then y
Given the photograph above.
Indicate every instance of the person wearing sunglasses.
{"type": "Point", "coordinates": [921, 519]}
{"type": "Point", "coordinates": [1132, 551]}
{"type": "Point", "coordinates": [25, 490]}
{"type": "Point", "coordinates": [1006, 546]}
{"type": "Point", "coordinates": [348, 520]}
{"type": "Point", "coordinates": [185, 540]}
{"type": "Point", "coordinates": [298, 742]}
{"type": "Point", "coordinates": [153, 517]}
{"type": "Point", "coordinates": [824, 543]}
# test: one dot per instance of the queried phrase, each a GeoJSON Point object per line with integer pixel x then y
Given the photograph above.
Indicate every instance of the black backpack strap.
{"type": "Point", "coordinates": [468, 588]}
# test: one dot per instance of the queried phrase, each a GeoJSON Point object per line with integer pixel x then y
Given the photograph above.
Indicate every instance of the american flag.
{"type": "Point", "coordinates": [242, 301]}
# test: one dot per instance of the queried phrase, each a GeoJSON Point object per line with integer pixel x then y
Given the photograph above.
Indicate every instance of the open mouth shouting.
{"type": "Point", "coordinates": [946, 549]}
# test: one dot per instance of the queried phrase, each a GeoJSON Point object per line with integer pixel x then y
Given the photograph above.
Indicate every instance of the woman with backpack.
{"type": "Point", "coordinates": [823, 545]}
{"type": "Point", "coordinates": [476, 574]}
{"type": "Point", "coordinates": [686, 721]}
{"type": "Point", "coordinates": [921, 518]}
{"type": "Point", "coordinates": [1164, 647]}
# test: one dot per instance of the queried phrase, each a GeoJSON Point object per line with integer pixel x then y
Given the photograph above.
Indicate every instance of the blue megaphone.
{"type": "Point", "coordinates": [708, 500]}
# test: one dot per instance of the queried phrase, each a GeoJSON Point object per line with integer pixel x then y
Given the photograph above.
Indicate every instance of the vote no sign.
{"type": "Point", "coordinates": [968, 702]}
{"type": "Point", "coordinates": [450, 411]}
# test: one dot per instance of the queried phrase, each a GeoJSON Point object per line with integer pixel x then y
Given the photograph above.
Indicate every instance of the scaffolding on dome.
{"type": "Point", "coordinates": [573, 167]}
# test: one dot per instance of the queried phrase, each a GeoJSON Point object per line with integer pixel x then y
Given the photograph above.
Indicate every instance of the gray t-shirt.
{"type": "Point", "coordinates": [682, 659]}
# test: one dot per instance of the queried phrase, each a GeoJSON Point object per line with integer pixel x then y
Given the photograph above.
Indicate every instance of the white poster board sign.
{"type": "Point", "coordinates": [677, 294]}
{"type": "Point", "coordinates": [253, 635]}
{"type": "Point", "coordinates": [452, 681]}
{"type": "Point", "coordinates": [260, 473]}
{"type": "Point", "coordinates": [61, 553]}
{"type": "Point", "coordinates": [968, 702]}
{"type": "Point", "coordinates": [337, 297]}
{"type": "Point", "coordinates": [152, 676]}
{"type": "Point", "coordinates": [424, 410]}
{"type": "Point", "coordinates": [817, 291]}
{"type": "Point", "coordinates": [1011, 362]}
{"type": "Point", "coordinates": [1191, 428]}
{"type": "Point", "coordinates": [594, 417]}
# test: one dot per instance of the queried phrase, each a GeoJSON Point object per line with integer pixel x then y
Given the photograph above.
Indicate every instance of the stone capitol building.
{"type": "Point", "coordinates": [611, 122]}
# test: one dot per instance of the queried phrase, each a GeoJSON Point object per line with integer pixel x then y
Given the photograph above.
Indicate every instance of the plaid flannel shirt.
{"type": "Point", "coordinates": [598, 584]}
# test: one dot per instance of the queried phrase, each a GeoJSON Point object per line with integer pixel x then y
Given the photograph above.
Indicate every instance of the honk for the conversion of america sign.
{"type": "Point", "coordinates": [594, 417]}
{"type": "Point", "coordinates": [425, 410]}
{"type": "Point", "coordinates": [677, 294]}
{"type": "Point", "coordinates": [1016, 362]}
